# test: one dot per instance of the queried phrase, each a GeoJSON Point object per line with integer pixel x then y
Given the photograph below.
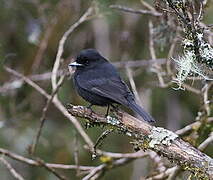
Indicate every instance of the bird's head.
{"type": "Point", "coordinates": [87, 57]}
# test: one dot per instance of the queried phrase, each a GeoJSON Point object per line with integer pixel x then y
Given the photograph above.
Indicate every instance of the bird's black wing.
{"type": "Point", "coordinates": [105, 81]}
{"type": "Point", "coordinates": [110, 87]}
{"type": "Point", "coordinates": [116, 90]}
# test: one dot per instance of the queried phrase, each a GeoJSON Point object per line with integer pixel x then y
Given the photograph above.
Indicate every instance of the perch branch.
{"type": "Point", "coordinates": [160, 140]}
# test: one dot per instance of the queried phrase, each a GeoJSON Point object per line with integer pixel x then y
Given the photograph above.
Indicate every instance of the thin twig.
{"type": "Point", "coordinates": [160, 167]}
{"type": "Point", "coordinates": [170, 54]}
{"type": "Point", "coordinates": [76, 154]}
{"type": "Point", "coordinates": [133, 86]}
{"type": "Point", "coordinates": [28, 81]}
{"type": "Point", "coordinates": [44, 43]}
{"type": "Point", "coordinates": [94, 171]}
{"type": "Point", "coordinates": [35, 163]}
{"type": "Point", "coordinates": [99, 170]}
{"type": "Point", "coordinates": [130, 10]}
{"type": "Point", "coordinates": [43, 117]}
{"type": "Point", "coordinates": [205, 143]}
{"type": "Point", "coordinates": [135, 155]}
{"type": "Point", "coordinates": [162, 175]}
{"type": "Point", "coordinates": [57, 104]}
{"type": "Point", "coordinates": [191, 89]}
{"type": "Point", "coordinates": [60, 51]}
{"type": "Point", "coordinates": [153, 55]}
{"type": "Point", "coordinates": [14, 173]}
{"type": "Point", "coordinates": [15, 84]}
{"type": "Point", "coordinates": [189, 127]}
{"type": "Point", "coordinates": [148, 6]}
{"type": "Point", "coordinates": [58, 175]}
{"type": "Point", "coordinates": [174, 173]}
{"type": "Point", "coordinates": [206, 101]}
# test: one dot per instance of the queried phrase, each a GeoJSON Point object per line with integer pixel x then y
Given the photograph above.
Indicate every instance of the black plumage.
{"type": "Point", "coordinates": [99, 83]}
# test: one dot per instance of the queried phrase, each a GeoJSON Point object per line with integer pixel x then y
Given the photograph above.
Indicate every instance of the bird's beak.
{"type": "Point", "coordinates": [75, 64]}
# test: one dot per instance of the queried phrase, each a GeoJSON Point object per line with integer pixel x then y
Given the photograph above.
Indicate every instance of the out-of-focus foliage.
{"type": "Point", "coordinates": [120, 37]}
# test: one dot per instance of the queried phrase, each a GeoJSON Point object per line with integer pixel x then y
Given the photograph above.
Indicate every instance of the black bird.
{"type": "Point", "coordinates": [98, 82]}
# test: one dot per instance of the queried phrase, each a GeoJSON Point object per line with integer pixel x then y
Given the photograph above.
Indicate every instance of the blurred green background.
{"type": "Point", "coordinates": [119, 37]}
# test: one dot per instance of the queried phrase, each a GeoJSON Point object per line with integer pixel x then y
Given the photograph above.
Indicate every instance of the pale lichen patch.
{"type": "Point", "coordinates": [186, 65]}
{"type": "Point", "coordinates": [161, 136]}
{"type": "Point", "coordinates": [196, 59]}
{"type": "Point", "coordinates": [113, 121]}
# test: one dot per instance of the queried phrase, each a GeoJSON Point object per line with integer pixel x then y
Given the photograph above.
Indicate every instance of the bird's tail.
{"type": "Point", "coordinates": [140, 111]}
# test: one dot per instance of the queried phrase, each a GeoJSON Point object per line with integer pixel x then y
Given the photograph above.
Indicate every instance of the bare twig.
{"type": "Point", "coordinates": [148, 6]}
{"type": "Point", "coordinates": [160, 167]}
{"type": "Point", "coordinates": [35, 163]}
{"type": "Point", "coordinates": [133, 86]}
{"type": "Point", "coordinates": [130, 10]}
{"type": "Point", "coordinates": [94, 172]}
{"type": "Point", "coordinates": [15, 84]}
{"type": "Point", "coordinates": [174, 173]}
{"type": "Point", "coordinates": [206, 101]}
{"type": "Point", "coordinates": [205, 143]}
{"type": "Point", "coordinates": [58, 175]}
{"type": "Point", "coordinates": [191, 89]}
{"type": "Point", "coordinates": [28, 81]}
{"type": "Point", "coordinates": [57, 104]}
{"type": "Point", "coordinates": [14, 173]}
{"type": "Point", "coordinates": [135, 155]}
{"type": "Point", "coordinates": [153, 56]}
{"type": "Point", "coordinates": [76, 154]}
{"type": "Point", "coordinates": [99, 170]}
{"type": "Point", "coordinates": [194, 125]}
{"type": "Point", "coordinates": [43, 117]}
{"type": "Point", "coordinates": [44, 43]}
{"type": "Point", "coordinates": [163, 174]}
{"type": "Point", "coordinates": [170, 54]}
{"type": "Point", "coordinates": [60, 51]}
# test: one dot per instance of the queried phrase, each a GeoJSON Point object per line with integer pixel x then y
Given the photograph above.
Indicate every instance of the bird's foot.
{"type": "Point", "coordinates": [90, 108]}
{"type": "Point", "coordinates": [108, 109]}
{"type": "Point", "coordinates": [115, 108]}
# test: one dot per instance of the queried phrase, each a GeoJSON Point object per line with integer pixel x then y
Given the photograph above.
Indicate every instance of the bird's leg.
{"type": "Point", "coordinates": [89, 106]}
{"type": "Point", "coordinates": [115, 107]}
{"type": "Point", "coordinates": [89, 124]}
{"type": "Point", "coordinates": [108, 108]}
{"type": "Point", "coordinates": [100, 141]}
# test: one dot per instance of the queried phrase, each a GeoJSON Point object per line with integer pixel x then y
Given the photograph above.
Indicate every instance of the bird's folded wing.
{"type": "Point", "coordinates": [113, 88]}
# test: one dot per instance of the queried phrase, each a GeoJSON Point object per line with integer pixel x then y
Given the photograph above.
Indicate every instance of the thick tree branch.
{"type": "Point", "coordinates": [158, 139]}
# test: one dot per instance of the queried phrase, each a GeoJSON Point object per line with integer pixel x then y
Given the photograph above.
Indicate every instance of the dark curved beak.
{"type": "Point", "coordinates": [75, 64]}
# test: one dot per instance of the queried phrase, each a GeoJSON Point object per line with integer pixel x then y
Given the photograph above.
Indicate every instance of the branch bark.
{"type": "Point", "coordinates": [158, 139]}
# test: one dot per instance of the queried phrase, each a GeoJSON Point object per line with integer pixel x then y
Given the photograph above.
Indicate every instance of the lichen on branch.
{"type": "Point", "coordinates": [197, 58]}
{"type": "Point", "coordinates": [158, 139]}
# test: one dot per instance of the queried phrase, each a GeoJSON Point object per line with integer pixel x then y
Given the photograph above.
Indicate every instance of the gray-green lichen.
{"type": "Point", "coordinates": [113, 121]}
{"type": "Point", "coordinates": [197, 57]}
{"type": "Point", "coordinates": [161, 136]}
{"type": "Point", "coordinates": [188, 63]}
